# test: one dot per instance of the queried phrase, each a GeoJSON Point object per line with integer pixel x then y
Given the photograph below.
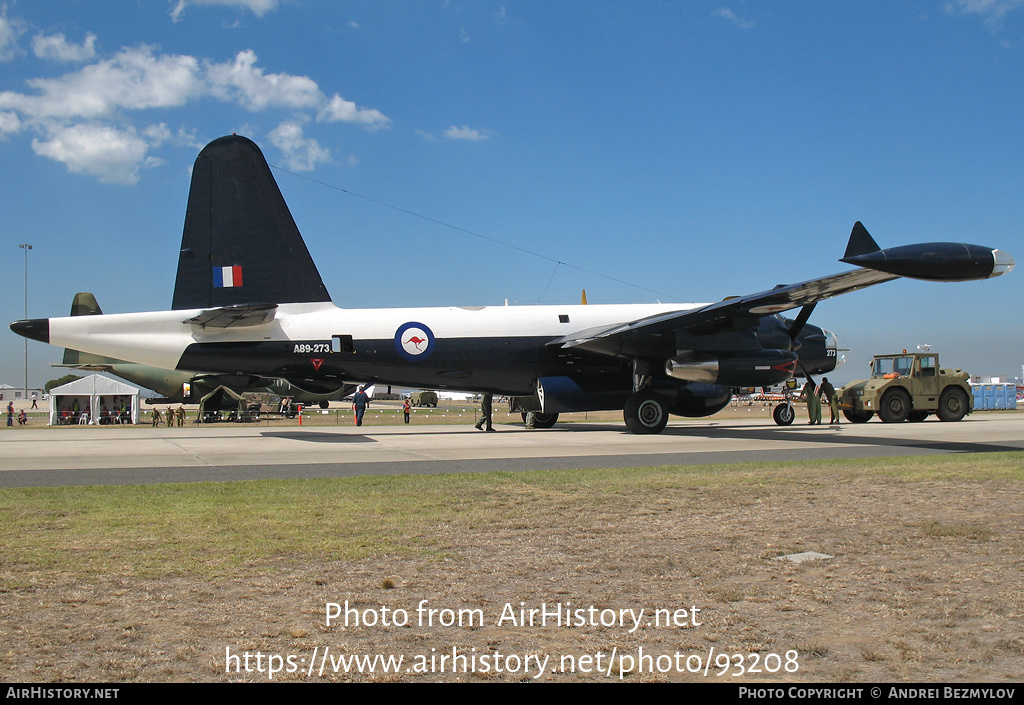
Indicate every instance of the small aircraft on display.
{"type": "Point", "coordinates": [249, 303]}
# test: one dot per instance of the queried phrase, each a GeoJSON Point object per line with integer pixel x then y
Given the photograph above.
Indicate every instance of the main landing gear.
{"type": "Point", "coordinates": [645, 412]}
{"type": "Point", "coordinates": [539, 420]}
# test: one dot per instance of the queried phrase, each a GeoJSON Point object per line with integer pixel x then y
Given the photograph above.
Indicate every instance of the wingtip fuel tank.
{"type": "Point", "coordinates": [931, 261]}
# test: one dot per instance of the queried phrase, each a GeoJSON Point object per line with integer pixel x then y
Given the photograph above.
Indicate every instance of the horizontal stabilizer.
{"type": "Point", "coordinates": [238, 316]}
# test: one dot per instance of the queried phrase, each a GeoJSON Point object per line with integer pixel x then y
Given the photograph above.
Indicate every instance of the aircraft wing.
{"type": "Point", "coordinates": [729, 324]}
{"type": "Point", "coordinates": [633, 338]}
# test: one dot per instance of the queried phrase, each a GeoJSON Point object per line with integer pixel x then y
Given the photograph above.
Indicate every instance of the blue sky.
{"type": "Point", "coordinates": [693, 150]}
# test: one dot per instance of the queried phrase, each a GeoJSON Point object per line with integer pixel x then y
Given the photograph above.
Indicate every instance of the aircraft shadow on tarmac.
{"type": "Point", "coordinates": [825, 434]}
{"type": "Point", "coordinates": [318, 437]}
{"type": "Point", "coordinates": [831, 435]}
{"type": "Point", "coordinates": [837, 435]}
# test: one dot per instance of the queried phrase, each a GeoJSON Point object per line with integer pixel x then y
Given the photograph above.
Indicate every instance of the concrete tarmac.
{"type": "Point", "coordinates": [144, 455]}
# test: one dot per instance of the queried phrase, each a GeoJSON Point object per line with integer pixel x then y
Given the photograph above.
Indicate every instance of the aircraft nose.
{"type": "Point", "coordinates": [35, 328]}
{"type": "Point", "coordinates": [832, 349]}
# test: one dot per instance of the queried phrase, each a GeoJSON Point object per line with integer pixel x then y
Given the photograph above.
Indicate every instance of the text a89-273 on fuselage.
{"type": "Point", "coordinates": [249, 301]}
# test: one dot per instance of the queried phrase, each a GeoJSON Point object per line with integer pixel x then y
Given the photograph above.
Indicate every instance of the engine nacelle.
{"type": "Point", "coordinates": [696, 399]}
{"type": "Point", "coordinates": [753, 368]}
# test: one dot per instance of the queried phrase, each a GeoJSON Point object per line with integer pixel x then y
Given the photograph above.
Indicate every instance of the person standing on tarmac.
{"type": "Point", "coordinates": [406, 409]}
{"type": "Point", "coordinates": [829, 391]}
{"type": "Point", "coordinates": [485, 414]}
{"type": "Point", "coordinates": [813, 402]}
{"type": "Point", "coordinates": [360, 400]}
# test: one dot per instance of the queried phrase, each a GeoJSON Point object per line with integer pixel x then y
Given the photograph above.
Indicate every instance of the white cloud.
{"type": "Point", "coordinates": [56, 46]}
{"type": "Point", "coordinates": [243, 82]}
{"type": "Point", "coordinates": [466, 133]}
{"type": "Point", "coordinates": [10, 30]}
{"type": "Point", "coordinates": [137, 79]}
{"type": "Point", "coordinates": [727, 14]}
{"type": "Point", "coordinates": [989, 9]}
{"type": "Point", "coordinates": [258, 7]}
{"type": "Point", "coordinates": [9, 122]}
{"type": "Point", "coordinates": [134, 79]}
{"type": "Point", "coordinates": [112, 154]}
{"type": "Point", "coordinates": [339, 109]}
{"type": "Point", "coordinates": [189, 138]}
{"type": "Point", "coordinates": [84, 118]}
{"type": "Point", "coordinates": [157, 134]}
{"type": "Point", "coordinates": [301, 153]}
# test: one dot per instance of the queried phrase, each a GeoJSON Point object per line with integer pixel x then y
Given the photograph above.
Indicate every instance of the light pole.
{"type": "Point", "coordinates": [26, 247]}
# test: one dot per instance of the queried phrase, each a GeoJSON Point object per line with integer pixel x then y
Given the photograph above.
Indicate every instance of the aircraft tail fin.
{"type": "Point", "coordinates": [861, 242]}
{"type": "Point", "coordinates": [240, 244]}
{"type": "Point", "coordinates": [84, 304]}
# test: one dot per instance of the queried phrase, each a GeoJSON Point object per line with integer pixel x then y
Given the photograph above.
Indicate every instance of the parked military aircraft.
{"type": "Point", "coordinates": [178, 386]}
{"type": "Point", "coordinates": [249, 301]}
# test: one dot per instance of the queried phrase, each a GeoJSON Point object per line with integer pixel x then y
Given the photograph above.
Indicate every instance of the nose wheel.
{"type": "Point", "coordinates": [784, 414]}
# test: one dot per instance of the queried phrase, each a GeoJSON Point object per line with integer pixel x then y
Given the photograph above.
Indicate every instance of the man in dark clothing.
{"type": "Point", "coordinates": [359, 403]}
{"type": "Point", "coordinates": [485, 413]}
{"type": "Point", "coordinates": [829, 391]}
{"type": "Point", "coordinates": [813, 402]}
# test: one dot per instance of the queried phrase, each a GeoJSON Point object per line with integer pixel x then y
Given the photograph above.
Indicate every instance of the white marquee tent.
{"type": "Point", "coordinates": [85, 400]}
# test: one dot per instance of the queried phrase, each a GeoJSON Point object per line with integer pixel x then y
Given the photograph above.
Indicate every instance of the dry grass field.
{"type": "Point", "coordinates": [182, 582]}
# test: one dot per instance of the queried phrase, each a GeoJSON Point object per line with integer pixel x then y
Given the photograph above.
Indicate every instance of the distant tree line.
{"type": "Point", "coordinates": [58, 382]}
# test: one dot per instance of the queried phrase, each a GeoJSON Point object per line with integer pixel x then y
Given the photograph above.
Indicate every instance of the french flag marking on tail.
{"type": "Point", "coordinates": [227, 276]}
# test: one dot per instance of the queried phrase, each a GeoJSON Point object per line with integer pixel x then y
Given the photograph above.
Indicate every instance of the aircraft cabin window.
{"type": "Point", "coordinates": [343, 344]}
{"type": "Point", "coordinates": [563, 318]}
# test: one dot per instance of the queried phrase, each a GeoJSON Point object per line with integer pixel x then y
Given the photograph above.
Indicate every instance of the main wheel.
{"type": "Point", "coordinates": [541, 420]}
{"type": "Point", "coordinates": [952, 404]}
{"type": "Point", "coordinates": [544, 420]}
{"type": "Point", "coordinates": [645, 412]}
{"type": "Point", "coordinates": [784, 414]}
{"type": "Point", "coordinates": [895, 406]}
{"type": "Point", "coordinates": [858, 416]}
